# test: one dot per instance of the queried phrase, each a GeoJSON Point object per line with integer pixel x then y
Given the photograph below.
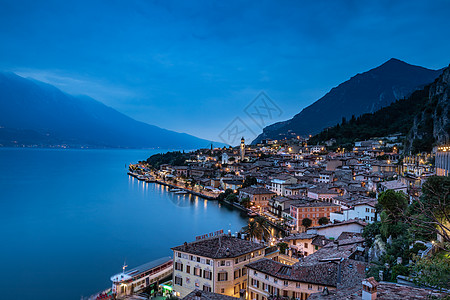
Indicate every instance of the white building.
{"type": "Point", "coordinates": [333, 231]}
{"type": "Point", "coordinates": [278, 184]}
{"type": "Point", "coordinates": [363, 211]}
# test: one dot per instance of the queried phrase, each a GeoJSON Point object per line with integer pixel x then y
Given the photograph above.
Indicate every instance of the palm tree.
{"type": "Point", "coordinates": [252, 230]}
{"type": "Point", "coordinates": [264, 226]}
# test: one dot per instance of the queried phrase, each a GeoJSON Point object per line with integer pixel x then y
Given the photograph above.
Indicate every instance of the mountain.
{"type": "Point", "coordinates": [36, 113]}
{"type": "Point", "coordinates": [432, 124]}
{"type": "Point", "coordinates": [363, 93]}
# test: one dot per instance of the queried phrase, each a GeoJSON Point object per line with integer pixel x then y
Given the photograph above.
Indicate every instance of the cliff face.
{"type": "Point", "coordinates": [432, 126]}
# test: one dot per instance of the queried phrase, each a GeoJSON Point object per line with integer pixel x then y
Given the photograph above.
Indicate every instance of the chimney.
{"type": "Point", "coordinates": [369, 291]}
{"type": "Point", "coordinates": [227, 252]}
{"type": "Point", "coordinates": [185, 245]}
{"type": "Point", "coordinates": [198, 295]}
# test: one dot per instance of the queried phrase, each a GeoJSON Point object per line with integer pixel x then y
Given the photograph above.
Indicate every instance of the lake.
{"type": "Point", "coordinates": [70, 218]}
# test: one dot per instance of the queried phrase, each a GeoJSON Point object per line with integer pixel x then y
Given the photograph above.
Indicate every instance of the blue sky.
{"type": "Point", "coordinates": [193, 66]}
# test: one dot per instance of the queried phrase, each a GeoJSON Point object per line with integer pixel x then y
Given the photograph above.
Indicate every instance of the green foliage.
{"type": "Point", "coordinates": [433, 272]}
{"type": "Point", "coordinates": [323, 221]}
{"type": "Point", "coordinates": [245, 202]}
{"type": "Point", "coordinates": [249, 181]}
{"type": "Point", "coordinates": [231, 198]}
{"type": "Point", "coordinates": [175, 158]}
{"type": "Point", "coordinates": [395, 118]}
{"type": "Point", "coordinates": [399, 270]}
{"type": "Point", "coordinates": [370, 232]}
{"type": "Point", "coordinates": [307, 222]}
{"type": "Point", "coordinates": [394, 204]}
{"type": "Point", "coordinates": [282, 246]}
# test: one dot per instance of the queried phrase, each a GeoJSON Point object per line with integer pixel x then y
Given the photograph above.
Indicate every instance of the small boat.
{"type": "Point", "coordinates": [174, 190]}
{"type": "Point", "coordinates": [252, 214]}
{"type": "Point", "coordinates": [181, 192]}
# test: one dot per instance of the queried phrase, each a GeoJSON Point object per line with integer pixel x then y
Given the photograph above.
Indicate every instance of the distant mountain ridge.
{"type": "Point", "coordinates": [363, 93]}
{"type": "Point", "coordinates": [36, 113]}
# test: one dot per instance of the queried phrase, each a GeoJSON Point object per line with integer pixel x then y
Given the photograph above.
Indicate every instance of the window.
{"type": "Point", "coordinates": [286, 283]}
{"type": "Point", "coordinates": [207, 274]}
{"type": "Point", "coordinates": [222, 290]}
{"type": "Point", "coordinates": [222, 263]}
{"type": "Point", "coordinates": [228, 263]}
{"type": "Point", "coordinates": [316, 247]}
{"type": "Point", "coordinates": [179, 254]}
{"type": "Point", "coordinates": [275, 280]}
{"type": "Point", "coordinates": [266, 277]}
{"type": "Point", "coordinates": [198, 259]}
{"type": "Point", "coordinates": [297, 285]}
{"type": "Point", "coordinates": [236, 261]}
{"type": "Point", "coordinates": [178, 280]}
{"type": "Point", "coordinates": [191, 257]}
{"type": "Point", "coordinates": [306, 245]}
{"type": "Point", "coordinates": [188, 269]}
{"type": "Point", "coordinates": [207, 288]}
{"type": "Point", "coordinates": [244, 271]}
{"type": "Point", "coordinates": [310, 286]}
{"type": "Point", "coordinates": [197, 284]}
{"type": "Point", "coordinates": [237, 273]}
{"type": "Point", "coordinates": [285, 293]}
{"type": "Point", "coordinates": [178, 266]}
{"type": "Point", "coordinates": [319, 288]}
{"type": "Point", "coordinates": [222, 276]}
{"type": "Point", "coordinates": [237, 288]}
{"type": "Point", "coordinates": [197, 272]}
{"type": "Point", "coordinates": [208, 262]}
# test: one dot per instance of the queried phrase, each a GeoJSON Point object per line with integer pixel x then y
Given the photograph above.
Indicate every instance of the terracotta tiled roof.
{"type": "Point", "coordinates": [202, 295]}
{"type": "Point", "coordinates": [216, 247]}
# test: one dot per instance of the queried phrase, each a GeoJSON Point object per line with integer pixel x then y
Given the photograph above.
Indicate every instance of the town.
{"type": "Point", "coordinates": [369, 222]}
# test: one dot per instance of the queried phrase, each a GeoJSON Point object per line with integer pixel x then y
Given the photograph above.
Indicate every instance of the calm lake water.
{"type": "Point", "coordinates": [69, 219]}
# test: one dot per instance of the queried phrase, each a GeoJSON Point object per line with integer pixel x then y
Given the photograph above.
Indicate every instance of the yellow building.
{"type": "Point", "coordinates": [215, 264]}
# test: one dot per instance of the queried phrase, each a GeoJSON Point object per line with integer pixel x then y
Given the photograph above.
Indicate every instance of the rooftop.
{"type": "Point", "coordinates": [202, 295]}
{"type": "Point", "coordinates": [216, 247]}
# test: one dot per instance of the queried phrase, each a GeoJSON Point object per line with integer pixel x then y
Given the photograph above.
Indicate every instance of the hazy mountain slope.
{"type": "Point", "coordinates": [34, 109]}
{"type": "Point", "coordinates": [363, 93]}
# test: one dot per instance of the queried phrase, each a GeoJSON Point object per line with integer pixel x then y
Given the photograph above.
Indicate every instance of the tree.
{"type": "Point", "coordinates": [307, 222]}
{"type": "Point", "coordinates": [231, 198]}
{"type": "Point", "coordinates": [283, 247]}
{"type": "Point", "coordinates": [245, 202]}
{"type": "Point", "coordinates": [264, 228]}
{"type": "Point", "coordinates": [431, 212]}
{"type": "Point", "coordinates": [433, 272]}
{"type": "Point", "coordinates": [249, 181]}
{"type": "Point", "coordinates": [323, 221]}
{"type": "Point", "coordinates": [394, 206]}
{"type": "Point", "coordinates": [252, 230]}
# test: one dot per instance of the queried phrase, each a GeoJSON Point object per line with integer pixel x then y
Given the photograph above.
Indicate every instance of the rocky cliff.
{"type": "Point", "coordinates": [432, 126]}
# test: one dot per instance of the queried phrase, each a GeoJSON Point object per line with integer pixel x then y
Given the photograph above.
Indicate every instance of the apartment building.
{"type": "Point", "coordinates": [215, 264]}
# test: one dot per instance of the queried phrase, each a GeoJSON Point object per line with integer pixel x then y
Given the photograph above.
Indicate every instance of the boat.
{"type": "Point", "coordinates": [174, 190]}
{"type": "Point", "coordinates": [181, 192]}
{"type": "Point", "coordinates": [145, 276]}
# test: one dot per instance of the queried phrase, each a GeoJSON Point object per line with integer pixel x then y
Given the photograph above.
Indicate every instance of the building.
{"type": "Point", "coordinates": [304, 244]}
{"type": "Point", "coordinates": [215, 264]}
{"type": "Point", "coordinates": [364, 210]}
{"type": "Point", "coordinates": [259, 196]}
{"type": "Point", "coordinates": [144, 276]}
{"type": "Point", "coordinates": [203, 295]}
{"type": "Point", "coordinates": [242, 149]}
{"type": "Point", "coordinates": [270, 279]}
{"type": "Point", "coordinates": [370, 289]}
{"type": "Point", "coordinates": [396, 185]}
{"type": "Point", "coordinates": [278, 184]}
{"type": "Point", "coordinates": [313, 210]}
{"type": "Point", "coordinates": [442, 161]}
{"type": "Point", "coordinates": [323, 194]}
{"type": "Point", "coordinates": [333, 231]}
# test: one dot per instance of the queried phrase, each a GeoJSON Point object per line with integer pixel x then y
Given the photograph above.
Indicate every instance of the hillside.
{"type": "Point", "coordinates": [395, 118]}
{"type": "Point", "coordinates": [432, 124]}
{"type": "Point", "coordinates": [363, 93]}
{"type": "Point", "coordinates": [35, 113]}
{"type": "Point", "coordinates": [424, 117]}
